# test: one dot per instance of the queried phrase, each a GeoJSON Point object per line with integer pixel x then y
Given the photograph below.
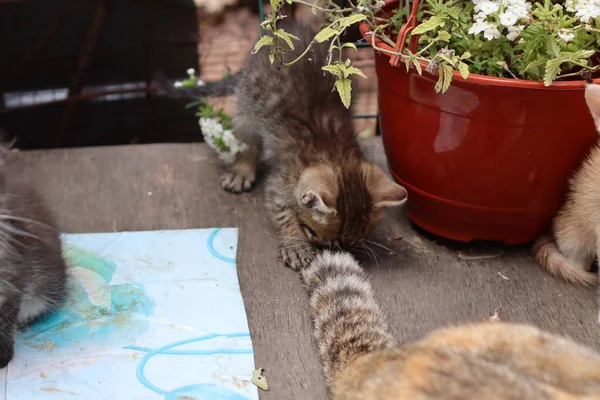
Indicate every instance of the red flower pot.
{"type": "Point", "coordinates": [490, 158]}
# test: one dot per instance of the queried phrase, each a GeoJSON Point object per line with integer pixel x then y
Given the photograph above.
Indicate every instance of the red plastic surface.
{"type": "Point", "coordinates": [490, 158]}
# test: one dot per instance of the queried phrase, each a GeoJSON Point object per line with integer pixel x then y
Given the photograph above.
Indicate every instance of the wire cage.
{"type": "Point", "coordinates": [79, 72]}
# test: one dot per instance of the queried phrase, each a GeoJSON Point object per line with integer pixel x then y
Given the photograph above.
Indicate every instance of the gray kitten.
{"type": "Point", "coordinates": [33, 273]}
{"type": "Point", "coordinates": [321, 190]}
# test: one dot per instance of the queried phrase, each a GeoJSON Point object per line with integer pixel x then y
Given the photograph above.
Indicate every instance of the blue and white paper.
{"type": "Point", "coordinates": [150, 315]}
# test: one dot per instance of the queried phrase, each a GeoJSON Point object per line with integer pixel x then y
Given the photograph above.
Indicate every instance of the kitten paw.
{"type": "Point", "coordinates": [236, 183]}
{"type": "Point", "coordinates": [6, 354]}
{"type": "Point", "coordinates": [298, 258]}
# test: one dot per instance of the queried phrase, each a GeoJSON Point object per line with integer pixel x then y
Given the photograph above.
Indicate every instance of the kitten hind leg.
{"type": "Point", "coordinates": [9, 311]}
{"type": "Point", "coordinates": [242, 173]}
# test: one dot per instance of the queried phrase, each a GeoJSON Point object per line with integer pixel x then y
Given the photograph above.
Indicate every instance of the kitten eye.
{"type": "Point", "coordinates": [309, 232]}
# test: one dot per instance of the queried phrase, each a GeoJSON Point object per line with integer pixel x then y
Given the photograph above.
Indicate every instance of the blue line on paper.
{"type": "Point", "coordinates": [210, 392]}
{"type": "Point", "coordinates": [213, 251]}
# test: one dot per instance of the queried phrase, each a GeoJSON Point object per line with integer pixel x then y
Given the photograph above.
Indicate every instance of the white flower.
{"type": "Point", "coordinates": [491, 32]}
{"type": "Point", "coordinates": [566, 35]}
{"type": "Point", "coordinates": [508, 18]}
{"type": "Point", "coordinates": [486, 7]}
{"type": "Point", "coordinates": [178, 84]}
{"type": "Point", "coordinates": [585, 10]}
{"type": "Point", "coordinates": [191, 71]}
{"type": "Point", "coordinates": [478, 27]}
{"type": "Point", "coordinates": [200, 83]}
{"type": "Point", "coordinates": [514, 31]}
{"type": "Point", "coordinates": [229, 146]}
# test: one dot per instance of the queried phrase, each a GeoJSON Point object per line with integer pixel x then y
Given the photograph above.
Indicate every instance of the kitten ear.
{"type": "Point", "coordinates": [384, 191]}
{"type": "Point", "coordinates": [592, 98]}
{"type": "Point", "coordinates": [317, 190]}
{"type": "Point", "coordinates": [315, 202]}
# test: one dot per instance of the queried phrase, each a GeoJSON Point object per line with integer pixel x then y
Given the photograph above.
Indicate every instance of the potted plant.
{"type": "Point", "coordinates": [481, 103]}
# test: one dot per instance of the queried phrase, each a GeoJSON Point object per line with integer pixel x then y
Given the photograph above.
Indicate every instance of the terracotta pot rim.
{"type": "Point", "coordinates": [482, 79]}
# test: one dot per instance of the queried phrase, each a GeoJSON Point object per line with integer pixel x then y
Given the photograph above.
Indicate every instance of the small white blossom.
{"type": "Point", "coordinates": [566, 35]}
{"type": "Point", "coordinates": [486, 7]}
{"type": "Point", "coordinates": [228, 147]}
{"type": "Point", "coordinates": [191, 71]}
{"type": "Point", "coordinates": [514, 31]}
{"type": "Point", "coordinates": [178, 84]}
{"type": "Point", "coordinates": [491, 33]}
{"type": "Point", "coordinates": [200, 83]}
{"type": "Point", "coordinates": [508, 18]}
{"type": "Point", "coordinates": [585, 10]}
{"type": "Point", "coordinates": [478, 27]}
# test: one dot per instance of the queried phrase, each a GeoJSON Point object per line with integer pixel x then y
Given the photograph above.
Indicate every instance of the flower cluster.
{"type": "Point", "coordinates": [221, 140]}
{"type": "Point", "coordinates": [585, 10]}
{"type": "Point", "coordinates": [492, 16]}
{"type": "Point", "coordinates": [539, 40]}
{"type": "Point", "coordinates": [215, 125]}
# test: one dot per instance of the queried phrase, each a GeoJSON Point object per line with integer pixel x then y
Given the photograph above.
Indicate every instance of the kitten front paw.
{"type": "Point", "coordinates": [236, 183]}
{"type": "Point", "coordinates": [298, 258]}
{"type": "Point", "coordinates": [7, 351]}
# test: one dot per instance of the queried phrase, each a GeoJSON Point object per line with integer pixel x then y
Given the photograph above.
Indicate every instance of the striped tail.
{"type": "Point", "coordinates": [348, 322]}
{"type": "Point", "coordinates": [551, 259]}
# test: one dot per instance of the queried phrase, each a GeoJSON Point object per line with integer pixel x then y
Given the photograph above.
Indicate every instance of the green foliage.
{"type": "Point", "coordinates": [546, 43]}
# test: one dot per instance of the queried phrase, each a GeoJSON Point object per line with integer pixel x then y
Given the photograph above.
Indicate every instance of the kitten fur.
{"type": "Point", "coordinates": [570, 252]}
{"type": "Point", "coordinates": [476, 361]}
{"type": "Point", "coordinates": [33, 272]}
{"type": "Point", "coordinates": [321, 190]}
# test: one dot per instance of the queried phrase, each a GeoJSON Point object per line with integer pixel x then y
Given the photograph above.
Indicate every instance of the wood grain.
{"type": "Point", "coordinates": [423, 283]}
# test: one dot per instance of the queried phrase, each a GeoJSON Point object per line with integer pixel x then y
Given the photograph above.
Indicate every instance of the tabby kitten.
{"type": "Point", "coordinates": [477, 361]}
{"type": "Point", "coordinates": [576, 228]}
{"type": "Point", "coordinates": [321, 190]}
{"type": "Point", "coordinates": [33, 272]}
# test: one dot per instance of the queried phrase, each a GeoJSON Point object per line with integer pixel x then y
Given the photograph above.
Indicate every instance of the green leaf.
{"type": "Point", "coordinates": [447, 77]}
{"type": "Point", "coordinates": [440, 82]}
{"type": "Point", "coordinates": [344, 89]}
{"type": "Point", "coordinates": [272, 56]}
{"type": "Point", "coordinates": [350, 20]}
{"type": "Point", "coordinates": [535, 64]}
{"type": "Point", "coordinates": [351, 45]}
{"type": "Point", "coordinates": [263, 41]}
{"type": "Point", "coordinates": [553, 48]}
{"type": "Point", "coordinates": [432, 23]}
{"type": "Point", "coordinates": [354, 71]}
{"type": "Point", "coordinates": [325, 34]}
{"type": "Point", "coordinates": [334, 69]}
{"type": "Point", "coordinates": [463, 69]}
{"type": "Point", "coordinates": [552, 70]}
{"type": "Point", "coordinates": [286, 36]}
{"type": "Point", "coordinates": [274, 3]}
{"type": "Point", "coordinates": [465, 55]}
{"type": "Point", "coordinates": [417, 65]}
{"type": "Point", "coordinates": [447, 59]}
{"type": "Point", "coordinates": [443, 36]}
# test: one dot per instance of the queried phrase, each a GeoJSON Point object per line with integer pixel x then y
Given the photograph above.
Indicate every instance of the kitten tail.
{"type": "Point", "coordinates": [551, 259]}
{"type": "Point", "coordinates": [347, 321]}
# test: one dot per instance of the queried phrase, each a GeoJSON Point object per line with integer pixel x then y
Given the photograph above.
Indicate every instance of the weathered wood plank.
{"type": "Point", "coordinates": [423, 286]}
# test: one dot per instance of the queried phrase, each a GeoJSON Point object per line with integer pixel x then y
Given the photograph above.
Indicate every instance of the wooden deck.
{"type": "Point", "coordinates": [424, 286]}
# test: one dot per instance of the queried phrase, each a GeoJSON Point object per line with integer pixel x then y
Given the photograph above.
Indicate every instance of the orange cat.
{"type": "Point", "coordinates": [576, 228]}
